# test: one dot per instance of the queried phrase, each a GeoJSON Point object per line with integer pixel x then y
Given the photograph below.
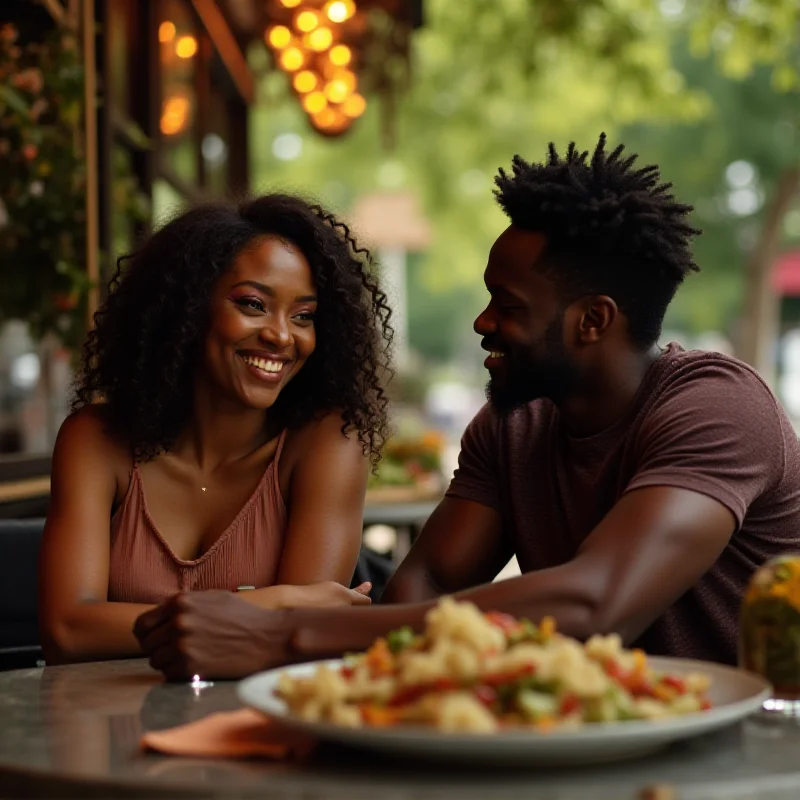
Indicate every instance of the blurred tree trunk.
{"type": "Point", "coordinates": [761, 302]}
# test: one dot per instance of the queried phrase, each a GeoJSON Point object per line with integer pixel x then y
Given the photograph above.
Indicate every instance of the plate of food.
{"type": "Point", "coordinates": [489, 688]}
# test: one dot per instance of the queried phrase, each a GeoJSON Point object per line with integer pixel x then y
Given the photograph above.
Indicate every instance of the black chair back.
{"type": "Point", "coordinates": [20, 540]}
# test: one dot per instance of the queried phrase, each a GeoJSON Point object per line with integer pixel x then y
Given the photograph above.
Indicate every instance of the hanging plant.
{"type": "Point", "coordinates": [42, 185]}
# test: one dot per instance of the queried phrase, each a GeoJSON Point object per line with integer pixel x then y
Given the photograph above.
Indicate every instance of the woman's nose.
{"type": "Point", "coordinates": [276, 331]}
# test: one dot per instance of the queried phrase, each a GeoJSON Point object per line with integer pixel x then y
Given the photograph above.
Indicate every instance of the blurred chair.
{"type": "Point", "coordinates": [19, 633]}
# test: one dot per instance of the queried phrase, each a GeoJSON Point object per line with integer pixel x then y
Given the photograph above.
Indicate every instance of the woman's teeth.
{"type": "Point", "coordinates": [263, 364]}
{"type": "Point", "coordinates": [496, 354]}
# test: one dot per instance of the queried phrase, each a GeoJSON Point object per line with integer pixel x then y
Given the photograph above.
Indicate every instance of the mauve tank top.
{"type": "Point", "coordinates": [143, 569]}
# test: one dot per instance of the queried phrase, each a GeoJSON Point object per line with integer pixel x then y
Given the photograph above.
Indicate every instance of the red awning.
{"type": "Point", "coordinates": [786, 274]}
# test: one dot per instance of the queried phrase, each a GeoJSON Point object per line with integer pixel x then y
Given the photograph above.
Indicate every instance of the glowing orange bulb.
{"type": "Point", "coordinates": [314, 103]}
{"type": "Point", "coordinates": [279, 36]}
{"type": "Point", "coordinates": [291, 3]}
{"type": "Point", "coordinates": [337, 91]}
{"type": "Point", "coordinates": [166, 32]}
{"type": "Point", "coordinates": [305, 81]}
{"type": "Point", "coordinates": [340, 55]}
{"type": "Point", "coordinates": [186, 47]}
{"type": "Point", "coordinates": [354, 106]}
{"type": "Point", "coordinates": [292, 59]}
{"type": "Point", "coordinates": [174, 115]}
{"type": "Point", "coordinates": [340, 10]}
{"type": "Point", "coordinates": [325, 118]}
{"type": "Point", "coordinates": [306, 21]}
{"type": "Point", "coordinates": [346, 77]}
{"type": "Point", "coordinates": [319, 40]}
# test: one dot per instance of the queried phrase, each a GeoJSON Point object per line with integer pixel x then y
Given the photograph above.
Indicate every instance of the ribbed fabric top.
{"type": "Point", "coordinates": [143, 569]}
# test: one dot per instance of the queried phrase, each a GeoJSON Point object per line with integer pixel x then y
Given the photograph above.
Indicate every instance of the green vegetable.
{"type": "Point", "coordinates": [400, 639]}
{"type": "Point", "coordinates": [535, 705]}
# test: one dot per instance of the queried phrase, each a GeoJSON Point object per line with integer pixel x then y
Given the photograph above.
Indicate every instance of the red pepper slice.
{"type": "Point", "coordinates": [411, 693]}
{"type": "Point", "coordinates": [510, 676]}
{"type": "Point", "coordinates": [569, 704]}
{"type": "Point", "coordinates": [485, 694]}
{"type": "Point", "coordinates": [674, 683]}
{"type": "Point", "coordinates": [505, 622]}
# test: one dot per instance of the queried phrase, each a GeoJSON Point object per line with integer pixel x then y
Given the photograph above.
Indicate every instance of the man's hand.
{"type": "Point", "coordinates": [213, 634]}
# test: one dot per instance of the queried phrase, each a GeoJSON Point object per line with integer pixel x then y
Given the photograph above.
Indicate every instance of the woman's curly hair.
{"type": "Point", "coordinates": [141, 356]}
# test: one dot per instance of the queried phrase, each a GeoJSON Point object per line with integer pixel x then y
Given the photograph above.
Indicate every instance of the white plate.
{"type": "Point", "coordinates": [734, 695]}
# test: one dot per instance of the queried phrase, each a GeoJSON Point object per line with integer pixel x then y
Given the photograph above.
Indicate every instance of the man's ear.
{"type": "Point", "coordinates": [596, 315]}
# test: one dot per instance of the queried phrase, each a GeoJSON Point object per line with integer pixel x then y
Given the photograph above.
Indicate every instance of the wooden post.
{"type": "Point", "coordinates": [90, 153]}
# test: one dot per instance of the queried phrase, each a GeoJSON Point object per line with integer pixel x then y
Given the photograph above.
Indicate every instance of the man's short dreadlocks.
{"type": "Point", "coordinates": [611, 230]}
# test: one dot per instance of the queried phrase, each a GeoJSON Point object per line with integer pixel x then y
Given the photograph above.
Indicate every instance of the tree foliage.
{"type": "Point", "coordinates": [491, 78]}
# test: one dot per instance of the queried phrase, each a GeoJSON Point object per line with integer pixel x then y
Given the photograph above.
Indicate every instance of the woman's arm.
{"type": "Point", "coordinates": [325, 517]}
{"type": "Point", "coordinates": [76, 621]}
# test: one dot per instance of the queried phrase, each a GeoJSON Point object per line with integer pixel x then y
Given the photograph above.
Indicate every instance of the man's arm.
{"type": "Point", "coordinates": [461, 545]}
{"type": "Point", "coordinates": [651, 548]}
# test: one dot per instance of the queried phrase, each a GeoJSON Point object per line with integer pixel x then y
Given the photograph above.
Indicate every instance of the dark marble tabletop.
{"type": "Point", "coordinates": [73, 732]}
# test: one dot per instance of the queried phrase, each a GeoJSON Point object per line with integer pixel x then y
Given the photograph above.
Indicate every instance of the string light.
{"type": "Point", "coordinates": [291, 3]}
{"type": "Point", "coordinates": [314, 103]}
{"type": "Point", "coordinates": [292, 59]}
{"type": "Point", "coordinates": [305, 81]}
{"type": "Point", "coordinates": [319, 40]}
{"type": "Point", "coordinates": [166, 32]}
{"type": "Point", "coordinates": [340, 55]}
{"type": "Point", "coordinates": [279, 36]}
{"type": "Point", "coordinates": [306, 21]}
{"type": "Point", "coordinates": [186, 47]}
{"type": "Point", "coordinates": [354, 106]}
{"type": "Point", "coordinates": [340, 10]}
{"type": "Point", "coordinates": [337, 91]}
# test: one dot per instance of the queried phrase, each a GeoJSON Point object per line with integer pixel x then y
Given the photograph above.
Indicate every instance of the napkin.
{"type": "Point", "coordinates": [229, 734]}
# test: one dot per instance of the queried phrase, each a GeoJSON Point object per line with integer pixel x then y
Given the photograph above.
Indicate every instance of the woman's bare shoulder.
{"type": "Point", "coordinates": [87, 431]}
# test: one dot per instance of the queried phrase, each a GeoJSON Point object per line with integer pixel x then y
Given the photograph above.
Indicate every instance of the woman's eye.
{"type": "Point", "coordinates": [250, 302]}
{"type": "Point", "coordinates": [306, 316]}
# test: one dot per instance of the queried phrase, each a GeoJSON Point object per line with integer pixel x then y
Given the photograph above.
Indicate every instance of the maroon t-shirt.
{"type": "Point", "coordinates": [700, 421]}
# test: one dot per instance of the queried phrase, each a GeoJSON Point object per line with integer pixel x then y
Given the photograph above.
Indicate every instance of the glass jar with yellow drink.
{"type": "Point", "coordinates": [770, 631]}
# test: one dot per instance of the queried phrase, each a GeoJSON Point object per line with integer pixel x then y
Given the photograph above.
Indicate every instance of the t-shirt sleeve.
{"type": "Point", "coordinates": [716, 430]}
{"type": "Point", "coordinates": [478, 474]}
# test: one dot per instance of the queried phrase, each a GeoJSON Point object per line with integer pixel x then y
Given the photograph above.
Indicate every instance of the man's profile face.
{"type": "Point", "coordinates": [522, 327]}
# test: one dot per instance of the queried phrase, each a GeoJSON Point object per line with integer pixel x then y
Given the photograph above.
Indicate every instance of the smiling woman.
{"type": "Point", "coordinates": [228, 407]}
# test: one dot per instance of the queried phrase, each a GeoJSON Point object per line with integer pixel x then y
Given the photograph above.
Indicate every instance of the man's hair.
{"type": "Point", "coordinates": [610, 230]}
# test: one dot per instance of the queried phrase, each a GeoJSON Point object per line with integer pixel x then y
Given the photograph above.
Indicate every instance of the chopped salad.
{"type": "Point", "coordinates": [481, 672]}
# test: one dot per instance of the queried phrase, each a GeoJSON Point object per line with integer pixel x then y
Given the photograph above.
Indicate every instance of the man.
{"type": "Point", "coordinates": [639, 487]}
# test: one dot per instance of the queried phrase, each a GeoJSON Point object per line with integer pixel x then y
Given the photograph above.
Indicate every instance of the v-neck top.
{"type": "Point", "coordinates": [143, 568]}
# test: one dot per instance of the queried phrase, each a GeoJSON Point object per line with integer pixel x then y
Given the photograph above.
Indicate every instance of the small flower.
{"type": "Point", "coordinates": [30, 80]}
{"type": "Point", "coordinates": [8, 34]}
{"type": "Point", "coordinates": [45, 168]}
{"type": "Point", "coordinates": [36, 189]}
{"type": "Point", "coordinates": [30, 151]}
{"type": "Point", "coordinates": [37, 109]}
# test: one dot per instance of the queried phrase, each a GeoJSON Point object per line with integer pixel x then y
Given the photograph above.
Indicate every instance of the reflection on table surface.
{"type": "Point", "coordinates": [83, 723]}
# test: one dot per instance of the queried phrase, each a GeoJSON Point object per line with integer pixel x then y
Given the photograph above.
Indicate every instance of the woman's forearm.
{"type": "Point", "coordinates": [92, 631]}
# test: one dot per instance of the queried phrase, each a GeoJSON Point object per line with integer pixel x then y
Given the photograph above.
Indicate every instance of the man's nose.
{"type": "Point", "coordinates": [484, 323]}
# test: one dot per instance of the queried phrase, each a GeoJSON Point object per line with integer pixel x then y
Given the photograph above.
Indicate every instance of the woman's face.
{"type": "Point", "coordinates": [261, 328]}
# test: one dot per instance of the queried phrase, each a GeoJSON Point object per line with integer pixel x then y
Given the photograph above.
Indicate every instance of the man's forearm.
{"type": "Point", "coordinates": [329, 633]}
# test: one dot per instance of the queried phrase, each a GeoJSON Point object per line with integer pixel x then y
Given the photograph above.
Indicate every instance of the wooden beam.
{"type": "Point", "coordinates": [227, 47]}
{"type": "Point", "coordinates": [90, 153]}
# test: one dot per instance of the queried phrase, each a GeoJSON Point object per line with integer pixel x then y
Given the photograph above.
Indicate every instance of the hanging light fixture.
{"type": "Point", "coordinates": [324, 47]}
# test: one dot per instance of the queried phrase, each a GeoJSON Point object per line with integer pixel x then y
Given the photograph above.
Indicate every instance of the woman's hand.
{"type": "Point", "coordinates": [327, 594]}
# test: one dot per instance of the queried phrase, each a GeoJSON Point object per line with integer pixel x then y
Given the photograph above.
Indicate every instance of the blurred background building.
{"type": "Point", "coordinates": [115, 113]}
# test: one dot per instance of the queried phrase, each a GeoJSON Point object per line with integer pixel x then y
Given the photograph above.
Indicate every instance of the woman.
{"type": "Point", "coordinates": [226, 413]}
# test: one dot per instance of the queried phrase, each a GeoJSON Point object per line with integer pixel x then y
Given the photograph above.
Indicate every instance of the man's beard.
{"type": "Point", "coordinates": [524, 378]}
